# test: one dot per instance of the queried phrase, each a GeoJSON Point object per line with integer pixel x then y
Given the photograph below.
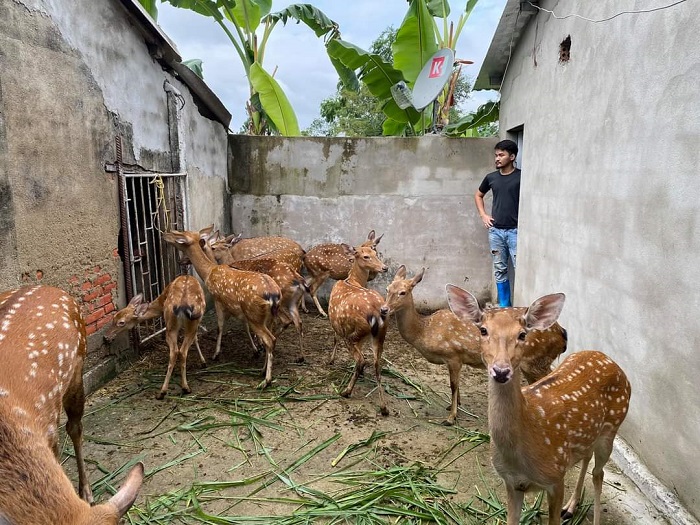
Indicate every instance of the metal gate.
{"type": "Point", "coordinates": [152, 204]}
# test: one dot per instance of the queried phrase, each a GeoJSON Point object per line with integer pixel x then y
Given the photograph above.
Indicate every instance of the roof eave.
{"type": "Point", "coordinates": [516, 15]}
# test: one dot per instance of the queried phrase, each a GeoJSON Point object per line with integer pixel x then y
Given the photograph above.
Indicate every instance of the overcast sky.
{"type": "Point", "coordinates": [303, 68]}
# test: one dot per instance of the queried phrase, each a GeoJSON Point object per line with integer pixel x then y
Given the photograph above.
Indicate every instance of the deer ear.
{"type": "Point", "coordinates": [349, 250]}
{"type": "Point", "coordinates": [544, 312]}
{"type": "Point", "coordinates": [233, 239]}
{"type": "Point", "coordinates": [370, 235]}
{"type": "Point", "coordinates": [376, 241]}
{"type": "Point", "coordinates": [463, 304]}
{"type": "Point", "coordinates": [418, 277]}
{"type": "Point", "coordinates": [400, 273]}
{"type": "Point", "coordinates": [141, 310]}
{"type": "Point", "coordinates": [136, 300]}
{"type": "Point", "coordinates": [206, 232]}
{"type": "Point", "coordinates": [124, 499]}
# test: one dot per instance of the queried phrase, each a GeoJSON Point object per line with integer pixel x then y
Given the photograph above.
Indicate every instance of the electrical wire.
{"type": "Point", "coordinates": [610, 17]}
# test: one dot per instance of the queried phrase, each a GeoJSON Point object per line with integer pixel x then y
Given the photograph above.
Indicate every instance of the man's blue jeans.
{"type": "Point", "coordinates": [503, 245]}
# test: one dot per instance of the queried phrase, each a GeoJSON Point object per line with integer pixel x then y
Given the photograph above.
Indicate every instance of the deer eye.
{"type": "Point", "coordinates": [402, 293]}
{"type": "Point", "coordinates": [483, 331]}
{"type": "Point", "coordinates": [121, 323]}
{"type": "Point", "coordinates": [522, 335]}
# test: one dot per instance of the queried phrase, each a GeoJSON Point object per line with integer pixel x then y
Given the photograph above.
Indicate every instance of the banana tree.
{"type": "Point", "coordinates": [417, 39]}
{"type": "Point", "coordinates": [248, 24]}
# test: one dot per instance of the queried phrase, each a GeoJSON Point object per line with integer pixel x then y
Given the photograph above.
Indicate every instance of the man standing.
{"type": "Point", "coordinates": [503, 221]}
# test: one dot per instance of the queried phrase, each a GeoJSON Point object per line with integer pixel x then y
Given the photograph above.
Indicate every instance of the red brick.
{"type": "Point", "coordinates": [93, 294]}
{"type": "Point", "coordinates": [102, 279]}
{"type": "Point", "coordinates": [96, 269]}
{"type": "Point", "coordinates": [109, 308]}
{"type": "Point", "coordinates": [87, 285]}
{"type": "Point", "coordinates": [74, 279]}
{"type": "Point", "coordinates": [94, 316]}
{"type": "Point", "coordinates": [115, 253]}
{"type": "Point", "coordinates": [90, 329]}
{"type": "Point", "coordinates": [105, 299]}
{"type": "Point", "coordinates": [106, 319]}
{"type": "Point", "coordinates": [109, 287]}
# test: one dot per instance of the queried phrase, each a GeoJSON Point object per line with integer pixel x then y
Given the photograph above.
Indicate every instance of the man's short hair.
{"type": "Point", "coordinates": [509, 146]}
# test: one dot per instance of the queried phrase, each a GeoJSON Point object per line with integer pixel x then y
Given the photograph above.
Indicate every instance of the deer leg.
{"type": "Point", "coordinates": [603, 449]}
{"type": "Point", "coordinates": [220, 319]}
{"type": "Point", "coordinates": [74, 405]}
{"type": "Point", "coordinates": [171, 338]}
{"type": "Point", "coordinates": [515, 504]}
{"type": "Point", "coordinates": [268, 340]}
{"type": "Point", "coordinates": [296, 319]}
{"type": "Point", "coordinates": [377, 348]}
{"type": "Point", "coordinates": [199, 351]}
{"type": "Point", "coordinates": [555, 499]}
{"type": "Point", "coordinates": [453, 369]}
{"type": "Point", "coordinates": [356, 352]}
{"type": "Point", "coordinates": [188, 339]}
{"type": "Point", "coordinates": [568, 510]}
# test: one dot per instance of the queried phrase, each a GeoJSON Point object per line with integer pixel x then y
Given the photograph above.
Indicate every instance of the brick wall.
{"type": "Point", "coordinates": [97, 290]}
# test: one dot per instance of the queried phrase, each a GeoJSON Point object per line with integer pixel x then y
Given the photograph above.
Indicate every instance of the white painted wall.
{"type": "Point", "coordinates": [610, 206]}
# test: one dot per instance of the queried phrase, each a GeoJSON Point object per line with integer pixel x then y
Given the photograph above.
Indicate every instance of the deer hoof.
{"type": "Point", "coordinates": [346, 393]}
{"type": "Point", "coordinates": [204, 364]}
{"type": "Point", "coordinates": [384, 411]}
{"type": "Point", "coordinates": [448, 423]}
{"type": "Point", "coordinates": [300, 360]}
{"type": "Point", "coordinates": [566, 515]}
{"type": "Point", "coordinates": [160, 396]}
{"type": "Point", "coordinates": [186, 391]}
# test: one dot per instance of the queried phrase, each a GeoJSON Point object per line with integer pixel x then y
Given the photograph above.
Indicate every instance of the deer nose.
{"type": "Point", "coordinates": [384, 310]}
{"type": "Point", "coordinates": [384, 268]}
{"type": "Point", "coordinates": [501, 375]}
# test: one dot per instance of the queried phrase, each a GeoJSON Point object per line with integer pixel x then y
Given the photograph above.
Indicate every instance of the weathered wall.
{"type": "Point", "coordinates": [73, 75]}
{"type": "Point", "coordinates": [610, 208]}
{"type": "Point", "coordinates": [418, 192]}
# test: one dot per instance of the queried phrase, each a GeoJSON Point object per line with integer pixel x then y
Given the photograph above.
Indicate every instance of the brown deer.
{"type": "Point", "coordinates": [330, 260]}
{"type": "Point", "coordinates": [249, 296]}
{"type": "Point", "coordinates": [354, 313]}
{"type": "Point", "coordinates": [540, 431]}
{"type": "Point", "coordinates": [43, 346]}
{"type": "Point", "coordinates": [443, 338]}
{"type": "Point", "coordinates": [292, 286]}
{"type": "Point", "coordinates": [280, 248]}
{"type": "Point", "coordinates": [182, 305]}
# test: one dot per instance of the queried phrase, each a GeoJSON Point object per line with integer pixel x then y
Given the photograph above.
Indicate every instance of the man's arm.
{"type": "Point", "coordinates": [479, 201]}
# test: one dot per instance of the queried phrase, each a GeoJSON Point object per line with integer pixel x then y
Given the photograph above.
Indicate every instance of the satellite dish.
{"type": "Point", "coordinates": [432, 78]}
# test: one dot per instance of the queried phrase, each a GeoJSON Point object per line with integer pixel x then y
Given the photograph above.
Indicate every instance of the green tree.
{"type": "Point", "coordinates": [417, 39]}
{"type": "Point", "coordinates": [248, 24]}
{"type": "Point", "coordinates": [357, 113]}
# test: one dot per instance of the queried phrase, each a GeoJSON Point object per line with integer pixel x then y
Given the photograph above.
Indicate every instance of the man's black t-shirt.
{"type": "Point", "coordinates": [506, 197]}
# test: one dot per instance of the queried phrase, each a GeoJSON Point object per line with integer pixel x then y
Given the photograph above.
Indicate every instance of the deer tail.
{"type": "Point", "coordinates": [376, 321]}
{"type": "Point", "coordinates": [274, 300]}
{"type": "Point", "coordinates": [188, 311]}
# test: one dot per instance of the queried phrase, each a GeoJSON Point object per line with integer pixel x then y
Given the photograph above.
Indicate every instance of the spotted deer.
{"type": "Point", "coordinates": [281, 249]}
{"type": "Point", "coordinates": [443, 338]}
{"type": "Point", "coordinates": [43, 346]}
{"type": "Point", "coordinates": [182, 304]}
{"type": "Point", "coordinates": [540, 431]}
{"type": "Point", "coordinates": [330, 260]}
{"type": "Point", "coordinates": [354, 313]}
{"type": "Point", "coordinates": [292, 286]}
{"type": "Point", "coordinates": [249, 296]}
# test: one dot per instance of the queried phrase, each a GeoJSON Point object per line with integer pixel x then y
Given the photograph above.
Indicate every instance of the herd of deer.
{"type": "Point", "coordinates": [538, 431]}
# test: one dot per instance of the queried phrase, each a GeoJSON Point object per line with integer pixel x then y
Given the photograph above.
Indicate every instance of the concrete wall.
{"type": "Point", "coordinates": [73, 75]}
{"type": "Point", "coordinates": [418, 192]}
{"type": "Point", "coordinates": [610, 207]}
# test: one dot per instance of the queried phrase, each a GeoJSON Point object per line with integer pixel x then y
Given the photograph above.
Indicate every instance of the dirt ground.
{"type": "Point", "coordinates": [297, 452]}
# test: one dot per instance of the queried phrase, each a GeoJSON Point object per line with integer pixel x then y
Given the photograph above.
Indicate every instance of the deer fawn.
{"type": "Point", "coordinates": [250, 296]}
{"type": "Point", "coordinates": [292, 286]}
{"type": "Point", "coordinates": [43, 346]}
{"type": "Point", "coordinates": [354, 313]}
{"type": "Point", "coordinates": [330, 260]}
{"type": "Point", "coordinates": [182, 305]}
{"type": "Point", "coordinates": [540, 431]}
{"type": "Point", "coordinates": [443, 338]}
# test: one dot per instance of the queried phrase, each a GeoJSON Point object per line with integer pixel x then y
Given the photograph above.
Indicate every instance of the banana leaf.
{"type": "Point", "coordinates": [415, 41]}
{"type": "Point", "coordinates": [485, 114]}
{"type": "Point", "coordinates": [439, 8]}
{"type": "Point", "coordinates": [195, 65]}
{"type": "Point", "coordinates": [151, 7]}
{"type": "Point", "coordinates": [310, 15]}
{"type": "Point", "coordinates": [274, 101]}
{"type": "Point", "coordinates": [203, 7]}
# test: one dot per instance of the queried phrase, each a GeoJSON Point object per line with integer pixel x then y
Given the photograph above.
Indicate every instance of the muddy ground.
{"type": "Point", "coordinates": [297, 452]}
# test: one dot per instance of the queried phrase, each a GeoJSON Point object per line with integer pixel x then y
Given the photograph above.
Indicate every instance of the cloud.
{"type": "Point", "coordinates": [303, 68]}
